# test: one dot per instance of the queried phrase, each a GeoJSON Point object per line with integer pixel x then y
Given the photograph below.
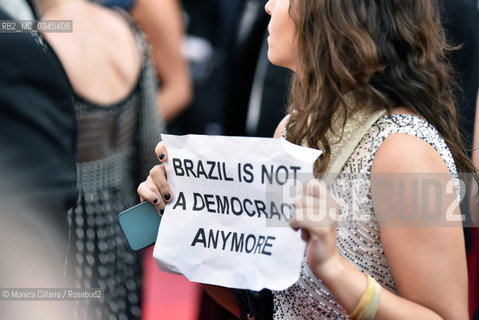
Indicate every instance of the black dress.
{"type": "Point", "coordinates": [115, 149]}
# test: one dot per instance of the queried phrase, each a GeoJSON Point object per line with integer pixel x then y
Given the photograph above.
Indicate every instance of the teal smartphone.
{"type": "Point", "coordinates": [140, 225]}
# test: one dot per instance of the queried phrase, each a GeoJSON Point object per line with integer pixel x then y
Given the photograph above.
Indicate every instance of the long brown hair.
{"type": "Point", "coordinates": [390, 53]}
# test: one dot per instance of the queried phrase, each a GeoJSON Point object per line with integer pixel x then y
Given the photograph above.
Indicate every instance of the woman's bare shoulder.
{"type": "Point", "coordinates": [403, 153]}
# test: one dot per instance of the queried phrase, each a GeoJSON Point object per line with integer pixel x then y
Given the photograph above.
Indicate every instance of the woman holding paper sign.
{"type": "Point", "coordinates": [370, 89]}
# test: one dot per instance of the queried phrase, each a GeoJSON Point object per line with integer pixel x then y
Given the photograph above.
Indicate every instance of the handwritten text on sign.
{"type": "Point", "coordinates": [228, 194]}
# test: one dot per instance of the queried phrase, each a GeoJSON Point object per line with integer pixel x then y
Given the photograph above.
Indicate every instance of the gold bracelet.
{"type": "Point", "coordinates": [365, 300]}
{"type": "Point", "coordinates": [372, 309]}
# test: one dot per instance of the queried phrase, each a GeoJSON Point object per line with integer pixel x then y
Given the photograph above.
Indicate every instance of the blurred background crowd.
{"type": "Point", "coordinates": [81, 112]}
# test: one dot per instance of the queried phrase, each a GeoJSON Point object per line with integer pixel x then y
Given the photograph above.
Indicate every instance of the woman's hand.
{"type": "Point", "coordinates": [315, 215]}
{"type": "Point", "coordinates": [155, 189]}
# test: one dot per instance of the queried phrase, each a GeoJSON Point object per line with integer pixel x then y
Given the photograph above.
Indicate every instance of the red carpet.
{"type": "Point", "coordinates": [167, 296]}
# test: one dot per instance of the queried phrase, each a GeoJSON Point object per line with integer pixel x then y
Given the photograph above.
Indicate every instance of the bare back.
{"type": "Point", "coordinates": [100, 56]}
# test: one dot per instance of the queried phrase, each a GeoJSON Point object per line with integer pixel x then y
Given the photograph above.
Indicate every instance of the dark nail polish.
{"type": "Point", "coordinates": [167, 196]}
{"type": "Point", "coordinates": [155, 201]}
{"type": "Point", "coordinates": [162, 156]}
{"type": "Point", "coordinates": [162, 211]}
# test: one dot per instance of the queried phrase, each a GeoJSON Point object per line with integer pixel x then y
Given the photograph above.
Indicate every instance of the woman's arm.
{"type": "Point", "coordinates": [162, 22]}
{"type": "Point", "coordinates": [427, 262]}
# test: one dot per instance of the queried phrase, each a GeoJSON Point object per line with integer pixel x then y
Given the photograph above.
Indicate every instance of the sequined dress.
{"type": "Point", "coordinates": [115, 148]}
{"type": "Point", "coordinates": [359, 242]}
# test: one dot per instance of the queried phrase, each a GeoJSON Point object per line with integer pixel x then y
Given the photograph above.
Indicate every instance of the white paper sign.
{"type": "Point", "coordinates": [232, 198]}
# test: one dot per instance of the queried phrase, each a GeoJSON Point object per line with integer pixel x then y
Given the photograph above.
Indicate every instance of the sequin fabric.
{"type": "Point", "coordinates": [358, 240]}
{"type": "Point", "coordinates": [115, 150]}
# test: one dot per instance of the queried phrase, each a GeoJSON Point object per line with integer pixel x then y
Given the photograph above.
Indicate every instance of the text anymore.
{"type": "Point", "coordinates": [233, 241]}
